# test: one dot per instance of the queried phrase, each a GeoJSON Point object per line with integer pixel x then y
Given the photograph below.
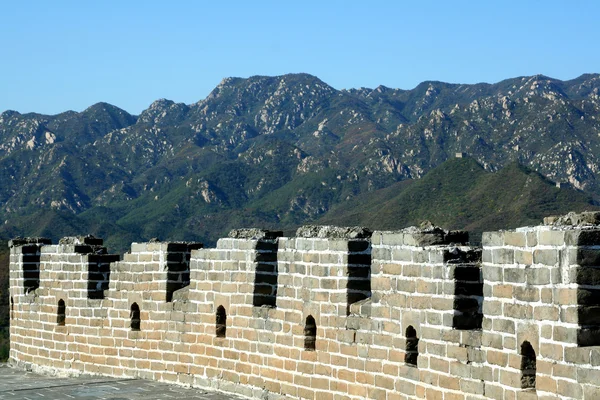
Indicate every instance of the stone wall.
{"type": "Point", "coordinates": [333, 313]}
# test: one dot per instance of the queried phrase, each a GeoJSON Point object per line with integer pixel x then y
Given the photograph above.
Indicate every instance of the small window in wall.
{"type": "Point", "coordinates": [528, 366]}
{"type": "Point", "coordinates": [61, 313]}
{"type": "Point", "coordinates": [12, 308]}
{"type": "Point", "coordinates": [412, 347]}
{"type": "Point", "coordinates": [221, 322]}
{"type": "Point", "coordinates": [135, 317]}
{"type": "Point", "coordinates": [310, 334]}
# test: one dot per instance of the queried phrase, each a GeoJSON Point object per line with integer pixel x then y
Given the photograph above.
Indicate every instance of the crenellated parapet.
{"type": "Point", "coordinates": [329, 313]}
{"type": "Point", "coordinates": [156, 268]}
{"type": "Point", "coordinates": [25, 264]}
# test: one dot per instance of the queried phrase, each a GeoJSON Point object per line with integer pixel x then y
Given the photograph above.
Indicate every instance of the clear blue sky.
{"type": "Point", "coordinates": [67, 55]}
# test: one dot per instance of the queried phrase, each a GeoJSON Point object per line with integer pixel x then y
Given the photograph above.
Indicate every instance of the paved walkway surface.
{"type": "Point", "coordinates": [21, 385]}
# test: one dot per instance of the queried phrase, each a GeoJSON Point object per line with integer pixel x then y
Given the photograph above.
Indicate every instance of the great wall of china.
{"type": "Point", "coordinates": [333, 313]}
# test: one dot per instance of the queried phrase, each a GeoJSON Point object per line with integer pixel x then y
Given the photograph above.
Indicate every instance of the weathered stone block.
{"type": "Point", "coordinates": [512, 238]}
{"type": "Point", "coordinates": [545, 256]}
{"type": "Point", "coordinates": [486, 256]}
{"type": "Point", "coordinates": [538, 276]}
{"type": "Point", "coordinates": [527, 293]}
{"type": "Point", "coordinates": [381, 253]}
{"type": "Point", "coordinates": [551, 237]}
{"type": "Point", "coordinates": [514, 275]}
{"type": "Point", "coordinates": [503, 256]}
{"type": "Point", "coordinates": [490, 239]}
{"type": "Point", "coordinates": [524, 257]}
{"type": "Point", "coordinates": [531, 238]}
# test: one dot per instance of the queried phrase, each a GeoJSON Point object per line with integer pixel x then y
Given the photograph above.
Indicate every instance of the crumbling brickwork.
{"type": "Point", "coordinates": [333, 313]}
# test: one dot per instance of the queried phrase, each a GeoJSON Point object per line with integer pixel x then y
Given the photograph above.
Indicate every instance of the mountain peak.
{"type": "Point", "coordinates": [9, 113]}
{"type": "Point", "coordinates": [161, 103]}
{"type": "Point", "coordinates": [163, 111]}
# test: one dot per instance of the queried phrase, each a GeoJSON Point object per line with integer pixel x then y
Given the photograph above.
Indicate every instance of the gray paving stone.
{"type": "Point", "coordinates": [16, 384]}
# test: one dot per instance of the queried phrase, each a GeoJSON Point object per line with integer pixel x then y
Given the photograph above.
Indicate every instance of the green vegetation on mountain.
{"type": "Point", "coordinates": [460, 194]}
{"type": "Point", "coordinates": [277, 152]}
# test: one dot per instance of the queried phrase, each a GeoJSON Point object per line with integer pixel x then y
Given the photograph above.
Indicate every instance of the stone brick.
{"type": "Point", "coordinates": [551, 238]}
{"type": "Point", "coordinates": [512, 238]}
{"type": "Point", "coordinates": [489, 239]}
{"type": "Point", "coordinates": [569, 389]}
{"type": "Point", "coordinates": [524, 257]}
{"type": "Point", "coordinates": [545, 257]}
{"type": "Point", "coordinates": [538, 276]}
{"type": "Point", "coordinates": [503, 256]}
{"type": "Point", "coordinates": [591, 391]}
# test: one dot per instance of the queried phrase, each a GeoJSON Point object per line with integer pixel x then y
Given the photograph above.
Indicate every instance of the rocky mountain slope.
{"type": "Point", "coordinates": [460, 194]}
{"type": "Point", "coordinates": [278, 151]}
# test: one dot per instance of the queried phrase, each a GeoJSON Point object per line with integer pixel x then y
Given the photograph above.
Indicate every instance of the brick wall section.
{"type": "Point", "coordinates": [541, 287]}
{"type": "Point", "coordinates": [469, 316]}
{"type": "Point", "coordinates": [425, 282]}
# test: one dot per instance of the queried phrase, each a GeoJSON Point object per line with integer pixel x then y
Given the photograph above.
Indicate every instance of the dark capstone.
{"type": "Point", "coordinates": [254, 233]}
{"type": "Point", "coordinates": [459, 237]}
{"type": "Point", "coordinates": [588, 297]}
{"type": "Point", "coordinates": [266, 257]}
{"type": "Point", "coordinates": [363, 285]}
{"type": "Point", "coordinates": [268, 300]}
{"type": "Point", "coordinates": [31, 275]}
{"type": "Point", "coordinates": [177, 247]}
{"type": "Point", "coordinates": [459, 256]}
{"type": "Point", "coordinates": [103, 258]}
{"type": "Point", "coordinates": [588, 337]}
{"type": "Point", "coordinates": [268, 279]}
{"type": "Point", "coordinates": [467, 321]}
{"type": "Point", "coordinates": [359, 259]}
{"type": "Point", "coordinates": [589, 237]}
{"type": "Point", "coordinates": [31, 258]}
{"type": "Point", "coordinates": [588, 315]}
{"type": "Point", "coordinates": [89, 240]}
{"type": "Point", "coordinates": [359, 272]}
{"type": "Point", "coordinates": [177, 266]}
{"type": "Point", "coordinates": [269, 268]}
{"type": "Point", "coordinates": [588, 257]}
{"type": "Point", "coordinates": [333, 232]}
{"type": "Point", "coordinates": [358, 245]}
{"type": "Point", "coordinates": [19, 241]}
{"type": "Point", "coordinates": [468, 289]}
{"type": "Point", "coordinates": [183, 247]}
{"type": "Point", "coordinates": [176, 257]}
{"type": "Point", "coordinates": [467, 273]}
{"type": "Point", "coordinates": [588, 276]}
{"type": "Point", "coordinates": [429, 238]}
{"type": "Point", "coordinates": [466, 304]}
{"type": "Point", "coordinates": [264, 289]}
{"type": "Point", "coordinates": [90, 249]}
{"type": "Point", "coordinates": [30, 248]}
{"type": "Point", "coordinates": [267, 244]}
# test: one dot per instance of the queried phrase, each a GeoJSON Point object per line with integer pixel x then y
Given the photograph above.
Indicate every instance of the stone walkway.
{"type": "Point", "coordinates": [21, 385]}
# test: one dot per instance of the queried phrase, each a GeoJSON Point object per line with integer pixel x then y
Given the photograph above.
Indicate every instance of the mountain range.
{"type": "Point", "coordinates": [278, 152]}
